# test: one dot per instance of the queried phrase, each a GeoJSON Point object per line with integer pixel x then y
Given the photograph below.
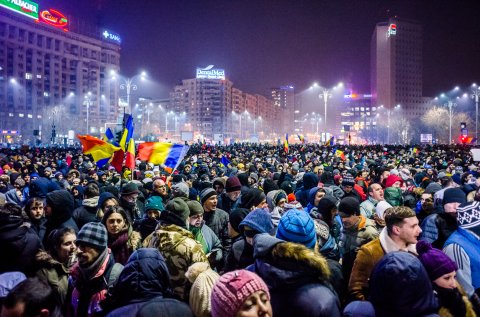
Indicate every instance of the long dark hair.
{"type": "Point", "coordinates": [119, 210]}
{"type": "Point", "coordinates": [55, 239]}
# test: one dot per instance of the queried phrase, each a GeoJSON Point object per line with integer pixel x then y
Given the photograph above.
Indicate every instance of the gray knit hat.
{"type": "Point", "coordinates": [207, 193]}
{"type": "Point", "coordinates": [93, 234]}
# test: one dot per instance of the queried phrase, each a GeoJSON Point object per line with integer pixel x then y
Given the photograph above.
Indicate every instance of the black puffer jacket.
{"type": "Point", "coordinates": [218, 221]}
{"type": "Point", "coordinates": [19, 245]}
{"type": "Point", "coordinates": [297, 277]}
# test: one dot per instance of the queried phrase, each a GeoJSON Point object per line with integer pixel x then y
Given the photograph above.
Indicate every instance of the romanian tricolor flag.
{"type": "Point", "coordinates": [100, 150]}
{"type": "Point", "coordinates": [127, 133]}
{"type": "Point", "coordinates": [301, 138]}
{"type": "Point", "coordinates": [330, 142]}
{"type": "Point", "coordinates": [285, 144]}
{"type": "Point", "coordinates": [130, 157]}
{"type": "Point", "coordinates": [340, 154]}
{"type": "Point", "coordinates": [166, 154]}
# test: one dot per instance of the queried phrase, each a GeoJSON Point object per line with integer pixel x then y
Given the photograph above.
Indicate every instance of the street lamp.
{"type": "Point", "coordinates": [326, 93]}
{"type": "Point", "coordinates": [389, 112]}
{"type": "Point", "coordinates": [130, 84]}
{"type": "Point", "coordinates": [475, 95]}
{"type": "Point", "coordinates": [450, 105]}
{"type": "Point", "coordinates": [87, 102]}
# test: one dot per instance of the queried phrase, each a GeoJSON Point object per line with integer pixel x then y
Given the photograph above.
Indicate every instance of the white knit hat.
{"type": "Point", "coordinates": [203, 279]}
{"type": "Point", "coordinates": [381, 207]}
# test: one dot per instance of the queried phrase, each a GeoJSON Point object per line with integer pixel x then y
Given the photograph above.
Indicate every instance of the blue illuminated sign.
{"type": "Point", "coordinates": [111, 36]}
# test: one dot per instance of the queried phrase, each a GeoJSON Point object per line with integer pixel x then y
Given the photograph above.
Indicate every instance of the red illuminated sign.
{"type": "Point", "coordinates": [54, 18]}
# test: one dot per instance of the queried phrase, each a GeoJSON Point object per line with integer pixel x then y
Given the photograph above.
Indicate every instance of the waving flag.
{"type": "Point", "coordinates": [127, 133]}
{"type": "Point", "coordinates": [285, 144]}
{"type": "Point", "coordinates": [301, 138]}
{"type": "Point", "coordinates": [340, 154]}
{"type": "Point", "coordinates": [100, 150]}
{"type": "Point", "coordinates": [167, 154]}
{"type": "Point", "coordinates": [130, 157]}
{"type": "Point", "coordinates": [225, 161]}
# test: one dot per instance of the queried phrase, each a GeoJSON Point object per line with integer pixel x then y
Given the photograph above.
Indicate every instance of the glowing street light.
{"type": "Point", "coordinates": [87, 101]}
{"type": "Point", "coordinates": [129, 84]}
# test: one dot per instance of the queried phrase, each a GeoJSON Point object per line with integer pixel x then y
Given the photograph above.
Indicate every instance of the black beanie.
{"type": "Point", "coordinates": [269, 185]}
{"type": "Point", "coordinates": [236, 216]}
{"type": "Point", "coordinates": [252, 198]}
{"type": "Point", "coordinates": [349, 206]}
{"type": "Point", "coordinates": [454, 195]}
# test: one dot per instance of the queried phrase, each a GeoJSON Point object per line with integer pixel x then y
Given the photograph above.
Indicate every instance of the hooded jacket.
{"type": "Point", "coordinates": [61, 202]}
{"type": "Point", "coordinates": [297, 278]}
{"type": "Point", "coordinates": [87, 212]}
{"type": "Point", "coordinates": [310, 180]}
{"type": "Point", "coordinates": [53, 273]}
{"type": "Point", "coordinates": [145, 277]}
{"type": "Point", "coordinates": [400, 286]}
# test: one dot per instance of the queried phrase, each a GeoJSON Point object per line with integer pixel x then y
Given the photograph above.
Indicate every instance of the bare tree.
{"type": "Point", "coordinates": [437, 122]}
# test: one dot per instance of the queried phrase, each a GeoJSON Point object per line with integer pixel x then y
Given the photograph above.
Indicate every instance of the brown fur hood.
{"type": "Point", "coordinates": [44, 260]}
{"type": "Point", "coordinates": [289, 262]}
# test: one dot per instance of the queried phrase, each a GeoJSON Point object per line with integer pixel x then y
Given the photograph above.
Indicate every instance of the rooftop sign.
{"type": "Point", "coordinates": [210, 73]}
{"type": "Point", "coordinates": [25, 7]}
{"type": "Point", "coordinates": [111, 36]}
{"type": "Point", "coordinates": [54, 18]}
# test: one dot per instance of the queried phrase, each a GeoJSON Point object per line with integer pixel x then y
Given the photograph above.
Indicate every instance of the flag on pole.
{"type": "Point", "coordinates": [285, 144]}
{"type": "Point", "coordinates": [130, 157]}
{"type": "Point", "coordinates": [127, 133]}
{"type": "Point", "coordinates": [301, 138]}
{"type": "Point", "coordinates": [167, 154]}
{"type": "Point", "coordinates": [100, 150]}
{"type": "Point", "coordinates": [340, 154]}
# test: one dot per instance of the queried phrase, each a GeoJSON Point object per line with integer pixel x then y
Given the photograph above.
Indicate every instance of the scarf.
{"type": "Point", "coordinates": [197, 233]}
{"type": "Point", "coordinates": [90, 202]}
{"type": "Point", "coordinates": [119, 247]}
{"type": "Point", "coordinates": [452, 300]}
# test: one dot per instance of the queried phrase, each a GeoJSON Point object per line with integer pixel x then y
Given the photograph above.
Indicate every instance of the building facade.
{"type": "Point", "coordinates": [396, 66]}
{"type": "Point", "coordinates": [284, 103]}
{"type": "Point", "coordinates": [53, 74]}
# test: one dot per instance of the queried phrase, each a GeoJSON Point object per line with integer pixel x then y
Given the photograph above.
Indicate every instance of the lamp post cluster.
{"type": "Point", "coordinates": [325, 94]}
{"type": "Point", "coordinates": [389, 112]}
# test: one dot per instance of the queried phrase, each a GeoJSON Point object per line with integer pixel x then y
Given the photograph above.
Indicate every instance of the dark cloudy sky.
{"type": "Point", "coordinates": [267, 43]}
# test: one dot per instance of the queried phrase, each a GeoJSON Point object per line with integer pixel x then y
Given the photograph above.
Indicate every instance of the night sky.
{"type": "Point", "coordinates": [264, 44]}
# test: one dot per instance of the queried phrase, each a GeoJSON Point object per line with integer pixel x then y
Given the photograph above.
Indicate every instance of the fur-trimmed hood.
{"type": "Point", "coordinates": [45, 260]}
{"type": "Point", "coordinates": [282, 263]}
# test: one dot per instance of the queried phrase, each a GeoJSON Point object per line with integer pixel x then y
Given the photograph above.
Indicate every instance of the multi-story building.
{"type": "Point", "coordinates": [53, 72]}
{"type": "Point", "coordinates": [216, 110]}
{"type": "Point", "coordinates": [284, 103]}
{"type": "Point", "coordinates": [396, 66]}
{"type": "Point", "coordinates": [358, 119]}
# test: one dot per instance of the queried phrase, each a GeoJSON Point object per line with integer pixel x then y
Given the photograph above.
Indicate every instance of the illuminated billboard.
{"type": "Point", "coordinates": [108, 35]}
{"type": "Point", "coordinates": [25, 7]}
{"type": "Point", "coordinates": [210, 73]}
{"type": "Point", "coordinates": [392, 30]}
{"type": "Point", "coordinates": [54, 18]}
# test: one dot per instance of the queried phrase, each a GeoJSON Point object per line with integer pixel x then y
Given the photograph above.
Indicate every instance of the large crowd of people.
{"type": "Point", "coordinates": [242, 230]}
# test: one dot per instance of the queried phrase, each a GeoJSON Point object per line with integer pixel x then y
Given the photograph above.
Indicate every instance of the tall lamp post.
{"type": "Point", "coordinates": [87, 103]}
{"type": "Point", "coordinates": [130, 85]}
{"type": "Point", "coordinates": [326, 93]}
{"type": "Point", "coordinates": [475, 95]}
{"type": "Point", "coordinates": [450, 105]}
{"type": "Point", "coordinates": [389, 112]}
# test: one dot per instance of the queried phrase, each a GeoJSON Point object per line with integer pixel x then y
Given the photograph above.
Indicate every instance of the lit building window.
{"type": "Point", "coordinates": [30, 116]}
{"type": "Point", "coordinates": [10, 114]}
{"type": "Point", "coordinates": [39, 76]}
{"type": "Point", "coordinates": [21, 115]}
{"type": "Point", "coordinates": [28, 76]}
{"type": "Point", "coordinates": [45, 94]}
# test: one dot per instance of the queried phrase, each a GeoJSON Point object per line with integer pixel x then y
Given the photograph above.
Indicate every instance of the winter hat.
{"type": "Point", "coordinates": [93, 234]}
{"type": "Point", "coordinates": [405, 174]}
{"type": "Point", "coordinates": [232, 184]}
{"type": "Point", "coordinates": [236, 217]}
{"type": "Point", "coordinates": [468, 216]}
{"type": "Point", "coordinates": [181, 189]}
{"type": "Point", "coordinates": [129, 188]}
{"type": "Point", "coordinates": [252, 197]}
{"type": "Point", "coordinates": [176, 212]}
{"type": "Point", "coordinates": [292, 205]}
{"type": "Point", "coordinates": [203, 279]}
{"type": "Point", "coordinates": [326, 204]}
{"type": "Point", "coordinates": [435, 261]}
{"type": "Point", "coordinates": [381, 207]}
{"type": "Point", "coordinates": [348, 180]}
{"type": "Point", "coordinates": [349, 206]}
{"type": "Point", "coordinates": [206, 193]}
{"type": "Point", "coordinates": [259, 220]}
{"type": "Point", "coordinates": [297, 226]}
{"type": "Point", "coordinates": [219, 181]}
{"type": "Point", "coordinates": [392, 179]}
{"type": "Point", "coordinates": [154, 203]}
{"type": "Point", "coordinates": [441, 175]}
{"type": "Point", "coordinates": [291, 198]}
{"type": "Point", "coordinates": [454, 195]}
{"type": "Point", "coordinates": [432, 188]}
{"type": "Point", "coordinates": [195, 208]}
{"type": "Point", "coordinates": [232, 289]}
{"type": "Point", "coordinates": [269, 185]}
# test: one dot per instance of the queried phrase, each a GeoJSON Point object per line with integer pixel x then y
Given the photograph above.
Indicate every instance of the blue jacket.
{"type": "Point", "coordinates": [471, 245]}
{"type": "Point", "coordinates": [297, 278]}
